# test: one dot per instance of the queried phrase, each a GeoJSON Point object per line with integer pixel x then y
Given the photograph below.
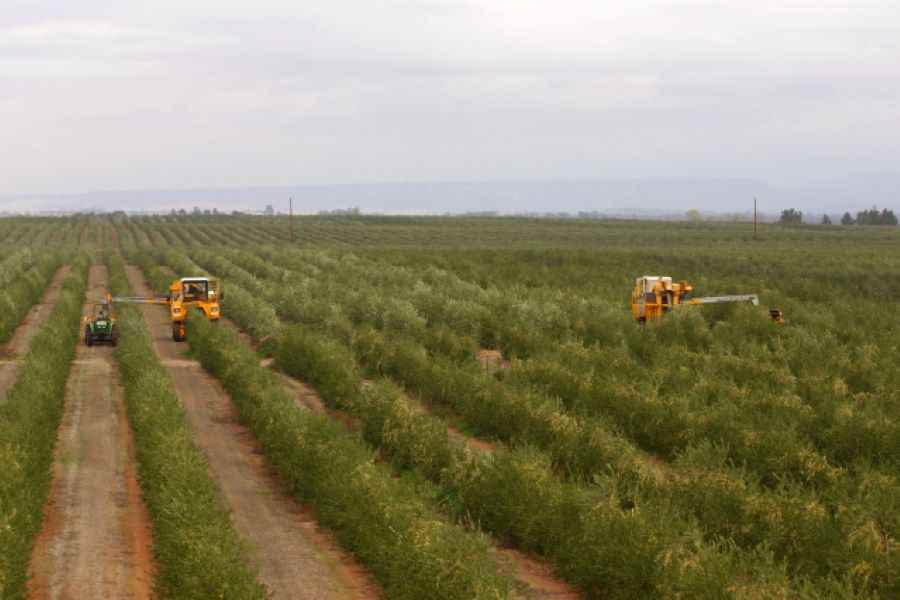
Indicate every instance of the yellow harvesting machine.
{"type": "Point", "coordinates": [655, 295]}
{"type": "Point", "coordinates": [202, 292]}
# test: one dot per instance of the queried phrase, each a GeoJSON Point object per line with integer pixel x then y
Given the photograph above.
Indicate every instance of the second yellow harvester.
{"type": "Point", "coordinates": [655, 295]}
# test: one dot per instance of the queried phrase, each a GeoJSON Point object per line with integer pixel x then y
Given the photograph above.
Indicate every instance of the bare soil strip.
{"type": "Point", "coordinates": [30, 325]}
{"type": "Point", "coordinates": [296, 558]}
{"type": "Point", "coordinates": [96, 541]}
{"type": "Point", "coordinates": [492, 361]}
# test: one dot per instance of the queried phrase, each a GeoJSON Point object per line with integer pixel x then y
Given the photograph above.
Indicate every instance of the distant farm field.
{"type": "Point", "coordinates": [465, 408]}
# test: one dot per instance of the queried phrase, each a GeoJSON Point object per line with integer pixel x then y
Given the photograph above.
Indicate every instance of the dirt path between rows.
{"type": "Point", "coordinates": [492, 361]}
{"type": "Point", "coordinates": [296, 559]}
{"type": "Point", "coordinates": [96, 541]}
{"type": "Point", "coordinates": [12, 353]}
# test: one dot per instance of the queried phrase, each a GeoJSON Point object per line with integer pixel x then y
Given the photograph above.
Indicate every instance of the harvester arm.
{"type": "Point", "coordinates": [140, 300]}
{"type": "Point", "coordinates": [751, 298]}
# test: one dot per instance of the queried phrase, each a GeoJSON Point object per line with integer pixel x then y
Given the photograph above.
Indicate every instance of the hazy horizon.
{"type": "Point", "coordinates": [224, 95]}
{"type": "Point", "coordinates": [669, 196]}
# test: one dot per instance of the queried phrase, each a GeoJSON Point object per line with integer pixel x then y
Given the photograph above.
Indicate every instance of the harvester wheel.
{"type": "Point", "coordinates": [178, 332]}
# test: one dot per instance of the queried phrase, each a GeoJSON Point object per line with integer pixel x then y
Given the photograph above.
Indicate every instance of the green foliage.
{"type": "Point", "coordinates": [516, 494]}
{"type": "Point", "coordinates": [23, 277]}
{"type": "Point", "coordinates": [410, 549]}
{"type": "Point", "coordinates": [413, 438]}
{"type": "Point", "coordinates": [29, 418]}
{"type": "Point", "coordinates": [780, 443]}
{"type": "Point", "coordinates": [874, 217]}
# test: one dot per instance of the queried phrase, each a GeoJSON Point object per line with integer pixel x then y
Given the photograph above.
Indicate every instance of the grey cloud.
{"type": "Point", "coordinates": [215, 93]}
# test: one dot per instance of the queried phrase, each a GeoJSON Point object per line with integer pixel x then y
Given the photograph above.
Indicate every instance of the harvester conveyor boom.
{"type": "Point", "coordinates": [139, 300]}
{"type": "Point", "coordinates": [751, 298]}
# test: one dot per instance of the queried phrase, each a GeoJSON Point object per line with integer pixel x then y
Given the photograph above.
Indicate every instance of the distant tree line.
{"type": "Point", "coordinates": [197, 212]}
{"type": "Point", "coordinates": [791, 216]}
{"type": "Point", "coordinates": [873, 216]}
{"type": "Point", "coordinates": [870, 217]}
{"type": "Point", "coordinates": [353, 211]}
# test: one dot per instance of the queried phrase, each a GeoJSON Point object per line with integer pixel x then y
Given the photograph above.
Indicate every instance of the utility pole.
{"type": "Point", "coordinates": [291, 216]}
{"type": "Point", "coordinates": [754, 217]}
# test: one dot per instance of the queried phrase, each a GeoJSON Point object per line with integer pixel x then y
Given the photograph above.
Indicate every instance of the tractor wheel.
{"type": "Point", "coordinates": [178, 331]}
{"type": "Point", "coordinates": [114, 338]}
{"type": "Point", "coordinates": [88, 338]}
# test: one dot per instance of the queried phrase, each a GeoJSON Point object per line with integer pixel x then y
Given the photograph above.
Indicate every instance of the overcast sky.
{"type": "Point", "coordinates": [99, 94]}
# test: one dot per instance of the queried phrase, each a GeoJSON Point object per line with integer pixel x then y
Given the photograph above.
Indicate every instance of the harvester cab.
{"type": "Point", "coordinates": [100, 327]}
{"type": "Point", "coordinates": [654, 295]}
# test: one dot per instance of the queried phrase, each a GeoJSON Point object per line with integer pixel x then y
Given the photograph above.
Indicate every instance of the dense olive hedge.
{"type": "Point", "coordinates": [29, 419]}
{"type": "Point", "coordinates": [410, 548]}
{"type": "Point", "coordinates": [24, 276]}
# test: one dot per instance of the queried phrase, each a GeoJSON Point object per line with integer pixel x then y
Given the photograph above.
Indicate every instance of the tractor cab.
{"type": "Point", "coordinates": [100, 327]}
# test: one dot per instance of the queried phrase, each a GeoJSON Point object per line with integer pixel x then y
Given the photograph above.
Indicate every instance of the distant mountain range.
{"type": "Point", "coordinates": [621, 197]}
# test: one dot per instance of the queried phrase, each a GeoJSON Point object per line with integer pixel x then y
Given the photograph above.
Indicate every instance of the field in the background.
{"type": "Point", "coordinates": [493, 367]}
{"type": "Point", "coordinates": [763, 455]}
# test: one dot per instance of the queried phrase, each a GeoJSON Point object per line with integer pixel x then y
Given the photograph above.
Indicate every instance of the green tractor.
{"type": "Point", "coordinates": [100, 327]}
